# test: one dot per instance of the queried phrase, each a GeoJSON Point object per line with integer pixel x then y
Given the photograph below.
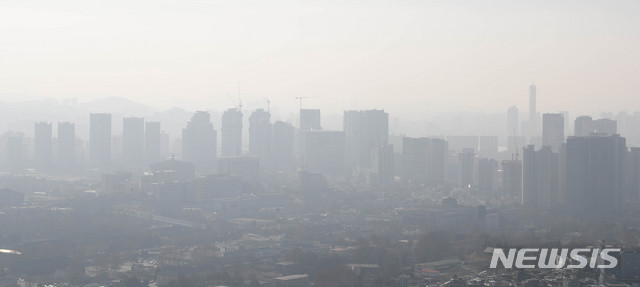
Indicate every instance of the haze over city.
{"type": "Point", "coordinates": [408, 57]}
{"type": "Point", "coordinates": [319, 143]}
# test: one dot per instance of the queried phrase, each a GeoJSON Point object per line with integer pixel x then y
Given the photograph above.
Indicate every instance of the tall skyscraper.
{"type": "Point", "coordinates": [133, 141]}
{"type": "Point", "coordinates": [260, 136]}
{"type": "Point", "coordinates": [467, 164]}
{"type": "Point", "coordinates": [383, 165]}
{"type": "Point", "coordinates": [553, 131]}
{"type": "Point", "coordinates": [633, 175]}
{"type": "Point", "coordinates": [414, 160]}
{"type": "Point", "coordinates": [231, 133]}
{"type": "Point", "coordinates": [152, 142]}
{"type": "Point", "coordinates": [66, 144]}
{"type": "Point", "coordinates": [582, 126]}
{"type": "Point", "coordinates": [424, 160]}
{"type": "Point", "coordinates": [533, 112]}
{"type": "Point", "coordinates": [540, 177]}
{"type": "Point", "coordinates": [512, 178]}
{"type": "Point", "coordinates": [568, 125]}
{"type": "Point", "coordinates": [42, 145]}
{"type": "Point", "coordinates": [364, 132]}
{"type": "Point", "coordinates": [282, 145]}
{"type": "Point", "coordinates": [14, 151]}
{"type": "Point", "coordinates": [100, 140]}
{"type": "Point", "coordinates": [487, 174]}
{"type": "Point", "coordinates": [199, 141]}
{"type": "Point", "coordinates": [585, 126]}
{"type": "Point", "coordinates": [309, 120]}
{"type": "Point", "coordinates": [529, 177]}
{"type": "Point", "coordinates": [437, 152]}
{"type": "Point", "coordinates": [596, 170]}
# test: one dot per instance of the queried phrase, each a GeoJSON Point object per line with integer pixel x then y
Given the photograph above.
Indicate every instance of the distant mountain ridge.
{"type": "Point", "coordinates": [117, 105]}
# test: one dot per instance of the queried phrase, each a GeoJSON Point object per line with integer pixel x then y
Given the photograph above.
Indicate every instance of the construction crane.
{"type": "Point", "coordinates": [300, 98]}
{"type": "Point", "coordinates": [238, 105]}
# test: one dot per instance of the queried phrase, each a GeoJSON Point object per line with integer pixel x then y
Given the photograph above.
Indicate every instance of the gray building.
{"type": "Point", "coordinates": [199, 143]}
{"type": "Point", "coordinates": [66, 144]}
{"type": "Point", "coordinates": [596, 169]}
{"type": "Point", "coordinates": [540, 177]}
{"type": "Point", "coordinates": [100, 140]}
{"type": "Point", "coordinates": [364, 131]}
{"type": "Point", "coordinates": [152, 142]}
{"type": "Point", "coordinates": [231, 133]}
{"type": "Point", "coordinates": [282, 147]}
{"type": "Point", "coordinates": [424, 160]}
{"type": "Point", "coordinates": [512, 178]}
{"type": "Point", "coordinates": [553, 131]}
{"type": "Point", "coordinates": [260, 137]}
{"type": "Point", "coordinates": [133, 141]}
{"type": "Point", "coordinates": [310, 119]}
{"type": "Point", "coordinates": [42, 145]}
{"type": "Point", "coordinates": [585, 126]}
{"type": "Point", "coordinates": [533, 113]}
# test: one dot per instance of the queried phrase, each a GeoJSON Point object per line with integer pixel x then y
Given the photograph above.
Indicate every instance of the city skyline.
{"type": "Point", "coordinates": [287, 143]}
{"type": "Point", "coordinates": [333, 51]}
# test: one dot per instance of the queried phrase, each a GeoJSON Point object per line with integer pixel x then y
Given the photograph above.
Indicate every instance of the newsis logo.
{"type": "Point", "coordinates": [555, 258]}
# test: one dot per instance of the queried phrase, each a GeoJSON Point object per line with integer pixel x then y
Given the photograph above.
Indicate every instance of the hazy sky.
{"type": "Point", "coordinates": [404, 56]}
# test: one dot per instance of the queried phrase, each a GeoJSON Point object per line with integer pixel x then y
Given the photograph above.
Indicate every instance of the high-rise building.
{"type": "Point", "coordinates": [553, 131]}
{"type": "Point", "coordinates": [596, 169]}
{"type": "Point", "coordinates": [66, 144]}
{"type": "Point", "coordinates": [467, 164]}
{"type": "Point", "coordinates": [437, 152]}
{"type": "Point", "coordinates": [282, 145]}
{"type": "Point", "coordinates": [585, 126]}
{"type": "Point", "coordinates": [100, 140]}
{"type": "Point", "coordinates": [424, 160]}
{"type": "Point", "coordinates": [310, 120]}
{"type": "Point", "coordinates": [42, 144]}
{"type": "Point", "coordinates": [547, 177]}
{"type": "Point", "coordinates": [383, 166]}
{"type": "Point", "coordinates": [568, 125]}
{"type": "Point", "coordinates": [487, 174]}
{"type": "Point", "coordinates": [414, 160]}
{"type": "Point", "coordinates": [231, 133]}
{"type": "Point", "coordinates": [199, 143]}
{"type": "Point", "coordinates": [260, 136]}
{"type": "Point", "coordinates": [540, 177]}
{"type": "Point", "coordinates": [533, 113]}
{"type": "Point", "coordinates": [153, 142]}
{"type": "Point", "coordinates": [529, 177]}
{"type": "Point", "coordinates": [582, 126]}
{"type": "Point", "coordinates": [14, 151]}
{"type": "Point", "coordinates": [323, 151]}
{"type": "Point", "coordinates": [512, 178]}
{"type": "Point", "coordinates": [364, 131]}
{"type": "Point", "coordinates": [133, 141]}
{"type": "Point", "coordinates": [633, 175]}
